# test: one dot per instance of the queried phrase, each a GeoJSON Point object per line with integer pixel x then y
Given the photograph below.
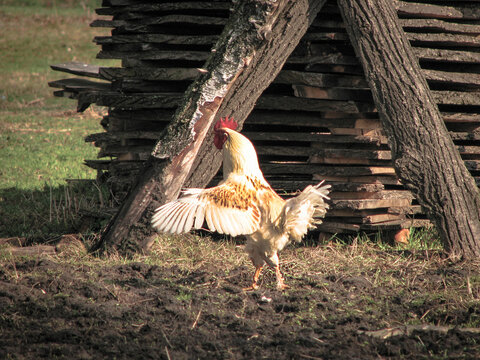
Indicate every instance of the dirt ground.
{"type": "Point", "coordinates": [52, 308]}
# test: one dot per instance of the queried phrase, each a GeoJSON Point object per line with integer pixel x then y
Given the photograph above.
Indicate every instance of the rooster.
{"type": "Point", "coordinates": [245, 204]}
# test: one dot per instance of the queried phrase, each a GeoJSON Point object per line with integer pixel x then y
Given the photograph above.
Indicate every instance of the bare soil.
{"type": "Point", "coordinates": [52, 308]}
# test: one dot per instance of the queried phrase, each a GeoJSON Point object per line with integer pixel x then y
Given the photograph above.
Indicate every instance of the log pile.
{"type": "Point", "coordinates": [317, 120]}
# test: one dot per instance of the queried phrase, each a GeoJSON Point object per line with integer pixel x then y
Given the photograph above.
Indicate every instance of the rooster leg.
{"type": "Point", "coordinates": [254, 285]}
{"type": "Point", "coordinates": [280, 281]}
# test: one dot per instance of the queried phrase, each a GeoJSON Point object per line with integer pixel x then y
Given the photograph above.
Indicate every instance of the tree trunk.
{"type": "Point", "coordinates": [425, 158]}
{"type": "Point", "coordinates": [256, 42]}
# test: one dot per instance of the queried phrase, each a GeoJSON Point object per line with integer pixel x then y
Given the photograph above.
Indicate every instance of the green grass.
{"type": "Point", "coordinates": [41, 136]}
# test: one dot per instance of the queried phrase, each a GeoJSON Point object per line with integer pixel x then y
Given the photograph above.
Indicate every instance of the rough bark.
{"type": "Point", "coordinates": [255, 43]}
{"type": "Point", "coordinates": [424, 155]}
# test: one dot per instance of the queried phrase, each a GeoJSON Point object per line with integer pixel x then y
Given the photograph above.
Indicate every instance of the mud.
{"type": "Point", "coordinates": [52, 309]}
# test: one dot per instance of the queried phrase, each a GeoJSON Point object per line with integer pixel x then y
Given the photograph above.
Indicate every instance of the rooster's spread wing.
{"type": "Point", "coordinates": [230, 208]}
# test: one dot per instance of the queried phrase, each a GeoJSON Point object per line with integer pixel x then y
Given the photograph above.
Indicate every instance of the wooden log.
{"type": "Point", "coordinates": [424, 155]}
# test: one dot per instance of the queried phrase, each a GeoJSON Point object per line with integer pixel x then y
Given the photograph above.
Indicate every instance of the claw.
{"type": "Point", "coordinates": [254, 285]}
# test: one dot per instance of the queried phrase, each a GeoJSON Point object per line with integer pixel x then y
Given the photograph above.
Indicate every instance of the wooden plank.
{"type": "Point", "coordinates": [355, 187]}
{"type": "Point", "coordinates": [159, 74]}
{"type": "Point", "coordinates": [348, 161]}
{"type": "Point", "coordinates": [150, 115]}
{"type": "Point", "coordinates": [334, 68]}
{"type": "Point", "coordinates": [455, 98]}
{"type": "Point", "coordinates": [79, 84]}
{"type": "Point", "coordinates": [174, 39]}
{"type": "Point", "coordinates": [326, 36]}
{"type": "Point", "coordinates": [320, 80]}
{"type": "Point", "coordinates": [357, 132]}
{"type": "Point", "coordinates": [355, 218]}
{"type": "Point", "coordinates": [307, 118]}
{"type": "Point", "coordinates": [285, 167]}
{"type": "Point", "coordinates": [462, 136]}
{"type": "Point", "coordinates": [439, 25]}
{"type": "Point", "coordinates": [145, 26]}
{"type": "Point", "coordinates": [452, 78]}
{"type": "Point", "coordinates": [363, 204]}
{"type": "Point", "coordinates": [133, 165]}
{"type": "Point", "coordinates": [382, 195]}
{"type": "Point", "coordinates": [337, 59]}
{"type": "Point", "coordinates": [353, 153]}
{"type": "Point", "coordinates": [460, 11]}
{"type": "Point", "coordinates": [273, 102]}
{"type": "Point", "coordinates": [310, 137]}
{"type": "Point", "coordinates": [461, 117]}
{"type": "Point", "coordinates": [472, 165]}
{"type": "Point", "coordinates": [374, 179]}
{"type": "Point", "coordinates": [455, 40]}
{"type": "Point", "coordinates": [123, 135]}
{"type": "Point", "coordinates": [332, 93]}
{"type": "Point", "coordinates": [130, 101]}
{"type": "Point", "coordinates": [155, 55]}
{"type": "Point", "coordinates": [78, 68]}
{"type": "Point", "coordinates": [286, 151]}
{"type": "Point", "coordinates": [468, 150]}
{"type": "Point", "coordinates": [165, 7]}
{"type": "Point", "coordinates": [442, 55]}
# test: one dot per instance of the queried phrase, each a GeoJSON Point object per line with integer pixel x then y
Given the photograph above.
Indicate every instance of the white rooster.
{"type": "Point", "coordinates": [245, 204]}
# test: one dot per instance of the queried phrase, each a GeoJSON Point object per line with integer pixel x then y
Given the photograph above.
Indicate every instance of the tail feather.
{"type": "Point", "coordinates": [302, 212]}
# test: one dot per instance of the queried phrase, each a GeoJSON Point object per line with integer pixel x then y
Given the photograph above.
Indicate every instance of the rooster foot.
{"type": "Point", "coordinates": [252, 287]}
{"type": "Point", "coordinates": [282, 286]}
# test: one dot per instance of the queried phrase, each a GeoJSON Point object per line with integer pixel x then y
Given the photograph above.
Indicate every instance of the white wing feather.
{"type": "Point", "coordinates": [227, 209]}
{"type": "Point", "coordinates": [299, 212]}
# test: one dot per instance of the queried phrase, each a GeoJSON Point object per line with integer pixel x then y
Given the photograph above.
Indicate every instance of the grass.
{"type": "Point", "coordinates": [41, 136]}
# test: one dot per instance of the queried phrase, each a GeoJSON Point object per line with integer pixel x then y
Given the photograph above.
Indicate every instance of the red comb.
{"type": "Point", "coordinates": [226, 122]}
